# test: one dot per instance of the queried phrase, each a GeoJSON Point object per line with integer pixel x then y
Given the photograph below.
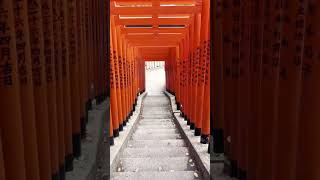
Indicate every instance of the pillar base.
{"type": "Point", "coordinates": [88, 108]}
{"type": "Point", "coordinates": [69, 163]}
{"type": "Point", "coordinates": [55, 176]}
{"type": "Point", "coordinates": [104, 96]}
{"type": "Point", "coordinates": [120, 127]}
{"type": "Point", "coordinates": [83, 125]}
{"type": "Point", "coordinates": [62, 172]}
{"type": "Point", "coordinates": [242, 175]}
{"type": "Point", "coordinates": [197, 131]}
{"type": "Point", "coordinates": [218, 143]}
{"type": "Point", "coordinates": [124, 123]}
{"type": "Point", "coordinates": [233, 168]}
{"type": "Point", "coordinates": [111, 141]}
{"type": "Point", "coordinates": [188, 121]}
{"type": "Point", "coordinates": [178, 105]}
{"type": "Point", "coordinates": [98, 99]}
{"type": "Point", "coordinates": [76, 142]}
{"type": "Point", "coordinates": [116, 133]}
{"type": "Point", "coordinates": [204, 139]}
{"type": "Point", "coordinates": [192, 126]}
{"type": "Point", "coordinates": [89, 105]}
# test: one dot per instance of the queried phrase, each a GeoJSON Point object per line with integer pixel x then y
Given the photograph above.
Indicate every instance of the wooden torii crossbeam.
{"type": "Point", "coordinates": [154, 23]}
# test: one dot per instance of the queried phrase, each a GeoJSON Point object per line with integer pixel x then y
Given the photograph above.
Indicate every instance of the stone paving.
{"type": "Point", "coordinates": [156, 150]}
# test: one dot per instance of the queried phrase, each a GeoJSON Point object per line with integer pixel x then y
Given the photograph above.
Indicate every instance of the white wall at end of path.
{"type": "Point", "coordinates": [155, 77]}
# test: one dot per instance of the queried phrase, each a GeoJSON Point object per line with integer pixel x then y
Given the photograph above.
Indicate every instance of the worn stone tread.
{"type": "Point", "coordinates": [155, 152]}
{"type": "Point", "coordinates": [156, 136]}
{"type": "Point", "coordinates": [157, 143]}
{"type": "Point", "coordinates": [156, 131]}
{"type": "Point", "coordinates": [177, 175]}
{"type": "Point", "coordinates": [158, 164]}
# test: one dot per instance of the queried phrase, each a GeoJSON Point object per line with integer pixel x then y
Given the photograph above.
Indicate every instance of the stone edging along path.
{"type": "Point", "coordinates": [198, 151]}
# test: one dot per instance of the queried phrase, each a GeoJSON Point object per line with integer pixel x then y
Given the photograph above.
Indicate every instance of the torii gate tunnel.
{"type": "Point", "coordinates": [177, 32]}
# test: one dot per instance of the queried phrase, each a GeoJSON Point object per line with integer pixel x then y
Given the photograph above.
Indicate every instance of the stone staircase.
{"type": "Point", "coordinates": [156, 150]}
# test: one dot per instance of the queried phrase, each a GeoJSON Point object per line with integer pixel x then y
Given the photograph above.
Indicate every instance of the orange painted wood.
{"type": "Point", "coordinates": [74, 76]}
{"type": "Point", "coordinates": [152, 30]}
{"type": "Point", "coordinates": [290, 64]}
{"type": "Point", "coordinates": [86, 53]}
{"type": "Point", "coordinates": [218, 71]}
{"type": "Point", "coordinates": [58, 78]}
{"type": "Point", "coordinates": [260, 47]}
{"type": "Point", "coordinates": [205, 84]}
{"type": "Point", "coordinates": [111, 123]}
{"type": "Point", "coordinates": [11, 122]}
{"type": "Point", "coordinates": [94, 50]}
{"type": "Point", "coordinates": [229, 85]}
{"type": "Point", "coordinates": [269, 88]}
{"type": "Point", "coordinates": [91, 51]}
{"type": "Point", "coordinates": [40, 88]}
{"type": "Point", "coordinates": [26, 90]}
{"type": "Point", "coordinates": [117, 73]}
{"type": "Point", "coordinates": [113, 85]}
{"type": "Point", "coordinates": [81, 53]}
{"type": "Point", "coordinates": [151, 10]}
{"type": "Point", "coordinates": [47, 25]}
{"type": "Point", "coordinates": [147, 21]}
{"type": "Point", "coordinates": [307, 156]}
{"type": "Point", "coordinates": [66, 85]}
{"type": "Point", "coordinates": [125, 77]}
{"type": "Point", "coordinates": [121, 77]}
{"type": "Point", "coordinates": [244, 112]}
{"type": "Point", "coordinates": [235, 56]}
{"type": "Point", "coordinates": [195, 66]}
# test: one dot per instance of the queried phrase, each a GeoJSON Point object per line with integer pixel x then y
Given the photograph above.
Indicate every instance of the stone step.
{"type": "Point", "coordinates": [159, 108]}
{"type": "Point", "coordinates": [156, 143]}
{"type": "Point", "coordinates": [145, 103]}
{"type": "Point", "coordinates": [156, 100]}
{"type": "Point", "coordinates": [156, 116]}
{"type": "Point", "coordinates": [156, 123]}
{"type": "Point", "coordinates": [155, 136]}
{"type": "Point", "coordinates": [151, 114]}
{"type": "Point", "coordinates": [152, 120]}
{"type": "Point", "coordinates": [152, 126]}
{"type": "Point", "coordinates": [156, 105]}
{"type": "Point", "coordinates": [176, 175]}
{"type": "Point", "coordinates": [155, 152]}
{"type": "Point", "coordinates": [155, 111]}
{"type": "Point", "coordinates": [156, 131]}
{"type": "Point", "coordinates": [157, 164]}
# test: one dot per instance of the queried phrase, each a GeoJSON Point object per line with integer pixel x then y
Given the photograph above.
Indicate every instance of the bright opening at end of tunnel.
{"type": "Point", "coordinates": [155, 77]}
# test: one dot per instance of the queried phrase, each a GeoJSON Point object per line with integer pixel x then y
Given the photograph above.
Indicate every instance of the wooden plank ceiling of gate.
{"type": "Point", "coordinates": [154, 25]}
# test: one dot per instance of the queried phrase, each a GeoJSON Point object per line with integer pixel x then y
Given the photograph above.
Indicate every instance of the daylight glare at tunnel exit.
{"type": "Point", "coordinates": [155, 77]}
